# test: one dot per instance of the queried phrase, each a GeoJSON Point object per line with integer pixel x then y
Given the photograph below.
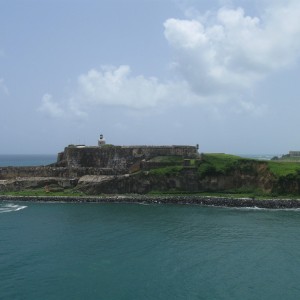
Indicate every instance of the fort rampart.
{"type": "Point", "coordinates": [119, 158]}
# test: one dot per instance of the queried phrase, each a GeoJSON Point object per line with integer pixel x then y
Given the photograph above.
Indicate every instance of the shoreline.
{"type": "Point", "coordinates": [184, 200]}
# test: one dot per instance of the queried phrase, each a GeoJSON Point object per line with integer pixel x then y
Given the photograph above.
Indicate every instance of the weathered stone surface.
{"type": "Point", "coordinates": [21, 183]}
{"type": "Point", "coordinates": [98, 180]}
{"type": "Point", "coordinates": [50, 171]}
{"type": "Point", "coordinates": [94, 179]}
{"type": "Point", "coordinates": [188, 180]}
{"type": "Point", "coordinates": [120, 158]}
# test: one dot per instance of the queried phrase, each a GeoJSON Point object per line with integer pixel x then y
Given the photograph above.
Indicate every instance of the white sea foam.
{"type": "Point", "coordinates": [255, 208]}
{"type": "Point", "coordinates": [9, 207]}
{"type": "Point", "coordinates": [252, 208]}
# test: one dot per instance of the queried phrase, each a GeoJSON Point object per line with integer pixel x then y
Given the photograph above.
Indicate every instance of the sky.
{"type": "Point", "coordinates": [223, 74]}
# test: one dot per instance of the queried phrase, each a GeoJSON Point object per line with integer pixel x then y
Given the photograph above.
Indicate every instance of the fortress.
{"type": "Point", "coordinates": [104, 168]}
{"type": "Point", "coordinates": [120, 159]}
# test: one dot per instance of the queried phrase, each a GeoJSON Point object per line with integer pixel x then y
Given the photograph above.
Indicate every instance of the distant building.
{"type": "Point", "coordinates": [101, 140]}
{"type": "Point", "coordinates": [294, 153]}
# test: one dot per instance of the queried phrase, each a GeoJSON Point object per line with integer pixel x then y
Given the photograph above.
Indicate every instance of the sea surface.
{"type": "Point", "coordinates": [259, 156]}
{"type": "Point", "coordinates": [134, 251]}
{"type": "Point", "coordinates": [131, 251]}
{"type": "Point", "coordinates": [7, 160]}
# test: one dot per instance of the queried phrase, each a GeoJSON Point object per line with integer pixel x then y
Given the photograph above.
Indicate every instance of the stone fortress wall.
{"type": "Point", "coordinates": [80, 161]}
{"type": "Point", "coordinates": [7, 173]}
{"type": "Point", "coordinates": [119, 158]}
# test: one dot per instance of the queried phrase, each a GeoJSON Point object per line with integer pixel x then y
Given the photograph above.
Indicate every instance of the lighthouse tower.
{"type": "Point", "coordinates": [101, 140]}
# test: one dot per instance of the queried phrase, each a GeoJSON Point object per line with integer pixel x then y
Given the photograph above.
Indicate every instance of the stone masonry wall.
{"type": "Point", "coordinates": [15, 172]}
{"type": "Point", "coordinates": [120, 158]}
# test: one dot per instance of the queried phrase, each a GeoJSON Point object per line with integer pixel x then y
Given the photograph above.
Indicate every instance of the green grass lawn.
{"type": "Point", "coordinates": [222, 161]}
{"type": "Point", "coordinates": [283, 168]}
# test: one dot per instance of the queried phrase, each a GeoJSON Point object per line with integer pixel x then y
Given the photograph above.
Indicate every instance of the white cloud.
{"type": "Point", "coordinates": [73, 110]}
{"type": "Point", "coordinates": [115, 86]}
{"type": "Point", "coordinates": [223, 51]}
{"type": "Point", "coordinates": [218, 55]}
{"type": "Point", "coordinates": [50, 107]}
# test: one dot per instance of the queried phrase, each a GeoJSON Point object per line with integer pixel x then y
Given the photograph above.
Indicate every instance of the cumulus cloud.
{"type": "Point", "coordinates": [216, 56]}
{"type": "Point", "coordinates": [227, 50]}
{"type": "Point", "coordinates": [115, 86]}
{"type": "Point", "coordinates": [50, 108]}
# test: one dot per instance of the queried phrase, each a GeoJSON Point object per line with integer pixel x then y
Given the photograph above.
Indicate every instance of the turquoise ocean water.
{"type": "Point", "coordinates": [123, 251]}
{"type": "Point", "coordinates": [131, 251]}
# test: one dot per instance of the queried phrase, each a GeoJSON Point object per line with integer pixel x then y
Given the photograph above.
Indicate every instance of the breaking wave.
{"type": "Point", "coordinates": [9, 207]}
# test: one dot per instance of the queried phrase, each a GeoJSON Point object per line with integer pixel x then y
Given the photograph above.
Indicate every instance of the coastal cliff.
{"type": "Point", "coordinates": [244, 176]}
{"type": "Point", "coordinates": [162, 169]}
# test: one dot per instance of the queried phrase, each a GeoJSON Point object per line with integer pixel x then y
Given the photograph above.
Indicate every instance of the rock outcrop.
{"type": "Point", "coordinates": [186, 180]}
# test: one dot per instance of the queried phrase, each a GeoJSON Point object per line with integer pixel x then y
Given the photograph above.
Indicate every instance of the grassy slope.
{"type": "Point", "coordinates": [214, 164]}
{"type": "Point", "coordinates": [223, 162]}
{"type": "Point", "coordinates": [283, 168]}
{"type": "Point", "coordinates": [219, 163]}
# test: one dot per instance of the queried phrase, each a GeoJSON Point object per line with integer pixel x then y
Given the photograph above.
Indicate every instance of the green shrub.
{"type": "Point", "coordinates": [219, 163]}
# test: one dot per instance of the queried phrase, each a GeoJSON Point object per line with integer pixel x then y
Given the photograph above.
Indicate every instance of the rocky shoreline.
{"type": "Point", "coordinates": [143, 199]}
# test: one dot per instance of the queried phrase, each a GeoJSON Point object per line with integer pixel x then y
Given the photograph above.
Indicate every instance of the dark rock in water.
{"type": "Point", "coordinates": [184, 200]}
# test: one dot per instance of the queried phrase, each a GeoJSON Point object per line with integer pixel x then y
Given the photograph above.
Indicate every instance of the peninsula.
{"type": "Point", "coordinates": [151, 170]}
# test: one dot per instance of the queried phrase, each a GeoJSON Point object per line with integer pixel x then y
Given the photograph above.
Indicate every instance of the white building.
{"type": "Point", "coordinates": [101, 140]}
